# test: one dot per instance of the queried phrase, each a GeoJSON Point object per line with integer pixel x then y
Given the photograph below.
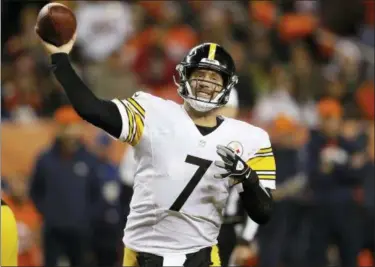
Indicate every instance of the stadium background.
{"type": "Point", "coordinates": [298, 61]}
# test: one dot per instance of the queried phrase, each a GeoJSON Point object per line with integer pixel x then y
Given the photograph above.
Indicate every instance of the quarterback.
{"type": "Point", "coordinates": [187, 158]}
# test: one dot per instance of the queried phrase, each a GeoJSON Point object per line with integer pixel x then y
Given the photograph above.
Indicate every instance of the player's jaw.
{"type": "Point", "coordinates": [204, 90]}
{"type": "Point", "coordinates": [205, 84]}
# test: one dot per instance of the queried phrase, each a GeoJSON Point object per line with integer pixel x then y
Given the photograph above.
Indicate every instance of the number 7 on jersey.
{"type": "Point", "coordinates": [203, 165]}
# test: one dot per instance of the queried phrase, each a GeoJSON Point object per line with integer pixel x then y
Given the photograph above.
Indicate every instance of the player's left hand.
{"type": "Point", "coordinates": [235, 167]}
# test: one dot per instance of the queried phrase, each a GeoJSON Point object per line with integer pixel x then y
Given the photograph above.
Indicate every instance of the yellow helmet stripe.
{"type": "Point", "coordinates": [212, 51]}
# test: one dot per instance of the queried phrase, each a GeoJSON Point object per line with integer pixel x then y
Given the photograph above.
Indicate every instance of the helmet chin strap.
{"type": "Point", "coordinates": [200, 106]}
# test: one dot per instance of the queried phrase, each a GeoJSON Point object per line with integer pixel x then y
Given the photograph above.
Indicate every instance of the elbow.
{"type": "Point", "coordinates": [89, 116]}
{"type": "Point", "coordinates": [91, 112]}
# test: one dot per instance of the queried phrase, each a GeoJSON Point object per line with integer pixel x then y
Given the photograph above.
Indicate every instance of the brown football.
{"type": "Point", "coordinates": [56, 24]}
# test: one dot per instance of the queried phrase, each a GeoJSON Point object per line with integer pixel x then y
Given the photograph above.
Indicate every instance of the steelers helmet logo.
{"type": "Point", "coordinates": [236, 147]}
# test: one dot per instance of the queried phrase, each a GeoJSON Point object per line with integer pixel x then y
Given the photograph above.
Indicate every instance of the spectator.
{"type": "Point", "coordinates": [279, 101]}
{"type": "Point", "coordinates": [261, 62]}
{"type": "Point", "coordinates": [272, 238]}
{"type": "Point", "coordinates": [64, 190]}
{"type": "Point", "coordinates": [215, 25]}
{"type": "Point", "coordinates": [245, 88]}
{"type": "Point", "coordinates": [335, 165]}
{"type": "Point", "coordinates": [102, 27]}
{"type": "Point", "coordinates": [156, 49]}
{"type": "Point", "coordinates": [111, 209]}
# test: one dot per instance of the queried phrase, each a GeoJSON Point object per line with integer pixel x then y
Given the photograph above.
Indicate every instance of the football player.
{"type": "Point", "coordinates": [187, 158]}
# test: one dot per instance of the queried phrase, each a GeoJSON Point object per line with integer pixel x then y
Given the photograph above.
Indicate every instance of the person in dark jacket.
{"type": "Point", "coordinates": [335, 173]}
{"type": "Point", "coordinates": [64, 190]}
{"type": "Point", "coordinates": [112, 208]}
{"type": "Point", "coordinates": [288, 137]}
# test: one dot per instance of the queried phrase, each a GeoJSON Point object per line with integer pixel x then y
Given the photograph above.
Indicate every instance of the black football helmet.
{"type": "Point", "coordinates": [208, 56]}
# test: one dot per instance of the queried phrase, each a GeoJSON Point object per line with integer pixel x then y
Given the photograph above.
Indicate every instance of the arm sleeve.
{"type": "Point", "coordinates": [256, 196]}
{"type": "Point", "coordinates": [101, 113]}
{"type": "Point", "coordinates": [257, 201]}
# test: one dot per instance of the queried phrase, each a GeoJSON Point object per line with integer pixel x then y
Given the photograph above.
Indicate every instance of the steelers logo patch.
{"type": "Point", "coordinates": [236, 147]}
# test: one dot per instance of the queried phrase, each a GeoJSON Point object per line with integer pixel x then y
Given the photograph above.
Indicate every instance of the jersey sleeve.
{"type": "Point", "coordinates": [133, 112]}
{"type": "Point", "coordinates": [263, 162]}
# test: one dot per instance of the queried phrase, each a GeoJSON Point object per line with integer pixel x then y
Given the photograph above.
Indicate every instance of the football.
{"type": "Point", "coordinates": [56, 24]}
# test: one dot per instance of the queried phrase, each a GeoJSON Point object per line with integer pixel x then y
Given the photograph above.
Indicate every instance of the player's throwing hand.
{"type": "Point", "coordinates": [66, 48]}
{"type": "Point", "coordinates": [236, 168]}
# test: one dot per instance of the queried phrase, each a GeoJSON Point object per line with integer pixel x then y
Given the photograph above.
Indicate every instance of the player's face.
{"type": "Point", "coordinates": [206, 84]}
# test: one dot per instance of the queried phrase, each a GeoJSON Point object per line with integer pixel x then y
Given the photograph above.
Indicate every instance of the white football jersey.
{"type": "Point", "coordinates": [178, 205]}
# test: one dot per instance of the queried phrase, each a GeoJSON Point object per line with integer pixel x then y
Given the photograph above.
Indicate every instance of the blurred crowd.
{"type": "Point", "coordinates": [305, 75]}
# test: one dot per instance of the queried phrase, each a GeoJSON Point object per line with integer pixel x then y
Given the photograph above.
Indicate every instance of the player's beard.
{"type": "Point", "coordinates": [203, 98]}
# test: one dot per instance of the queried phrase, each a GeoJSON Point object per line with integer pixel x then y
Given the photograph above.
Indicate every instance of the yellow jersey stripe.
{"type": "Point", "coordinates": [130, 121]}
{"type": "Point", "coordinates": [262, 163]}
{"type": "Point", "coordinates": [215, 257]}
{"type": "Point", "coordinates": [265, 150]}
{"type": "Point", "coordinates": [136, 123]}
{"type": "Point", "coordinates": [134, 132]}
{"type": "Point", "coordinates": [140, 127]}
{"type": "Point", "coordinates": [137, 106]}
{"type": "Point", "coordinates": [267, 177]}
{"type": "Point", "coordinates": [212, 51]}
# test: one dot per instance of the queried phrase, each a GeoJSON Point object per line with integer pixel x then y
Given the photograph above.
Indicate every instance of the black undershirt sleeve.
{"type": "Point", "coordinates": [256, 200]}
{"type": "Point", "coordinates": [101, 113]}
